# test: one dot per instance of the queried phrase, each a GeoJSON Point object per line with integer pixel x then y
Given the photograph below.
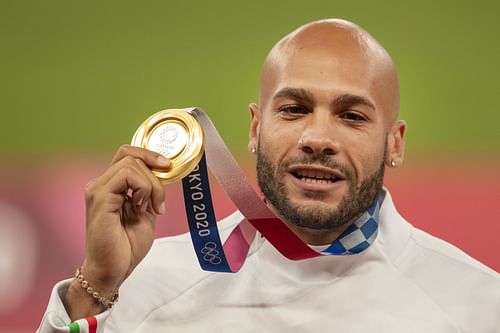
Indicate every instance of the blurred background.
{"type": "Point", "coordinates": [78, 77]}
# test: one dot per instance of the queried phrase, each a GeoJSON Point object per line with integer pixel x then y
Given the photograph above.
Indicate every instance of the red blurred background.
{"type": "Point", "coordinates": [42, 221]}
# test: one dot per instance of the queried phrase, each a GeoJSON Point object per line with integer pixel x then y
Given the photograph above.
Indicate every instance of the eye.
{"type": "Point", "coordinates": [352, 116]}
{"type": "Point", "coordinates": [293, 109]}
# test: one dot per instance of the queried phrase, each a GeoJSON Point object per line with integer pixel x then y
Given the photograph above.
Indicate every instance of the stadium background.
{"type": "Point", "coordinates": [78, 77]}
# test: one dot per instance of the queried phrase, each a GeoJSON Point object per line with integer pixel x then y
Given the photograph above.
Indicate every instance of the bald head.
{"type": "Point", "coordinates": [334, 51]}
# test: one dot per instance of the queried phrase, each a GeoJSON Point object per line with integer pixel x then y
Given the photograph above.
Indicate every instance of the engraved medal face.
{"type": "Point", "coordinates": [175, 134]}
{"type": "Point", "coordinates": [168, 139]}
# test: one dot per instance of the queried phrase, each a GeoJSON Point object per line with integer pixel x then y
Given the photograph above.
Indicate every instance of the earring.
{"type": "Point", "coordinates": [253, 150]}
{"type": "Point", "coordinates": [393, 163]}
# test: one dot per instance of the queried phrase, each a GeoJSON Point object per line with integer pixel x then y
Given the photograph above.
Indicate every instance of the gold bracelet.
{"type": "Point", "coordinates": [95, 294]}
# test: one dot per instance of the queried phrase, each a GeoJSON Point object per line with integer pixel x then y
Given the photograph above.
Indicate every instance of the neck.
{"type": "Point", "coordinates": [314, 236]}
{"type": "Point", "coordinates": [318, 237]}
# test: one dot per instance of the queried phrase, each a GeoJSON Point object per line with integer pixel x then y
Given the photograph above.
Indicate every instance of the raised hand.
{"type": "Point", "coordinates": [121, 208]}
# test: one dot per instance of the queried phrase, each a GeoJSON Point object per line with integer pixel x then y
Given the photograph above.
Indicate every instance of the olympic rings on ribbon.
{"type": "Point", "coordinates": [210, 253]}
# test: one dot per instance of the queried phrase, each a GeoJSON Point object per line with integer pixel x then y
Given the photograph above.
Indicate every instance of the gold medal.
{"type": "Point", "coordinates": [175, 134]}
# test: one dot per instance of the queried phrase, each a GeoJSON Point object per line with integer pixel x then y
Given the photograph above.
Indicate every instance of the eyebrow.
{"type": "Point", "coordinates": [295, 93]}
{"type": "Point", "coordinates": [342, 100]}
{"type": "Point", "coordinates": [351, 100]}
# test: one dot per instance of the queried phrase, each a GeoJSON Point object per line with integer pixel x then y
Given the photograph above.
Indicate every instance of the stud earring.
{"type": "Point", "coordinates": [393, 163]}
{"type": "Point", "coordinates": [253, 150]}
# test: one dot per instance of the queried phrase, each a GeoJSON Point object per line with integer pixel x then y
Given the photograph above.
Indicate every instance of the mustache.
{"type": "Point", "coordinates": [319, 159]}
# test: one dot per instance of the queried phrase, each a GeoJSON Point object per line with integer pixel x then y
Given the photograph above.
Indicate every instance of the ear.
{"type": "Point", "coordinates": [396, 143]}
{"type": "Point", "coordinates": [253, 135]}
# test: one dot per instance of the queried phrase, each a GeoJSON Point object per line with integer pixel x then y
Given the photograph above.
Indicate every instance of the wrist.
{"type": "Point", "coordinates": [105, 282]}
{"type": "Point", "coordinates": [79, 304]}
{"type": "Point", "coordinates": [103, 297]}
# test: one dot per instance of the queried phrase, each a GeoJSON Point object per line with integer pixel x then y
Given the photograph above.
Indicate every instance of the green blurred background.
{"type": "Point", "coordinates": [80, 76]}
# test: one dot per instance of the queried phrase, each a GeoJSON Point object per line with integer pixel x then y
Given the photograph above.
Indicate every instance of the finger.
{"type": "Point", "coordinates": [127, 162]}
{"type": "Point", "coordinates": [157, 193]}
{"type": "Point", "coordinates": [152, 197]}
{"type": "Point", "coordinates": [151, 159]}
{"type": "Point", "coordinates": [144, 202]}
{"type": "Point", "coordinates": [130, 177]}
{"type": "Point", "coordinates": [97, 187]}
{"type": "Point", "coordinates": [127, 154]}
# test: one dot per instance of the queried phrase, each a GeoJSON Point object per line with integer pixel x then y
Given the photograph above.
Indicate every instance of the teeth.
{"type": "Point", "coordinates": [316, 181]}
{"type": "Point", "coordinates": [316, 175]}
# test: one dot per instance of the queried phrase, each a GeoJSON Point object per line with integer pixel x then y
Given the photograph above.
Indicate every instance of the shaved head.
{"type": "Point", "coordinates": [341, 42]}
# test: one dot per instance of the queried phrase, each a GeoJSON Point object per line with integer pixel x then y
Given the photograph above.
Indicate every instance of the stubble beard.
{"type": "Point", "coordinates": [359, 197]}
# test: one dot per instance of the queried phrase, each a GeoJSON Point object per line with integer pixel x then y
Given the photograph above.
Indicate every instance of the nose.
{"type": "Point", "coordinates": [318, 136]}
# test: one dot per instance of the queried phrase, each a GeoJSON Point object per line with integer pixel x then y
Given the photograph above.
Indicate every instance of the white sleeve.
{"type": "Point", "coordinates": [56, 318]}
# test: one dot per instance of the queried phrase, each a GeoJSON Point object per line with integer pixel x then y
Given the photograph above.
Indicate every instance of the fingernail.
{"type": "Point", "coordinates": [162, 208]}
{"type": "Point", "coordinates": [163, 161]}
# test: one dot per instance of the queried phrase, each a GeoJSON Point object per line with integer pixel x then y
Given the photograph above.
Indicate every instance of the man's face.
{"type": "Point", "coordinates": [322, 139]}
{"type": "Point", "coordinates": [358, 195]}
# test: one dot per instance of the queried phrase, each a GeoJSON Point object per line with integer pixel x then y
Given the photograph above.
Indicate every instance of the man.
{"type": "Point", "coordinates": [324, 131]}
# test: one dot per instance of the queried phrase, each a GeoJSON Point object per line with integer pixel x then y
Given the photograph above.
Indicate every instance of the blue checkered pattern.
{"type": "Point", "coordinates": [359, 236]}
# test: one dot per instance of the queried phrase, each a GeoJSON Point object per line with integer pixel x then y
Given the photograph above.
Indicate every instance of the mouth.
{"type": "Point", "coordinates": [316, 174]}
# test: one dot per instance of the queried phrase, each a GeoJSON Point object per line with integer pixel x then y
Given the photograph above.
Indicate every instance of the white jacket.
{"type": "Point", "coordinates": [407, 281]}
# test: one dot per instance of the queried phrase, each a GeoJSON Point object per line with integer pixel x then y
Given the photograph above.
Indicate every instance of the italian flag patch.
{"type": "Point", "coordinates": [86, 325]}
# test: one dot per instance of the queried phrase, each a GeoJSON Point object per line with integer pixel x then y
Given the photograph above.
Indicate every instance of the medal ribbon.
{"type": "Point", "coordinates": [212, 255]}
